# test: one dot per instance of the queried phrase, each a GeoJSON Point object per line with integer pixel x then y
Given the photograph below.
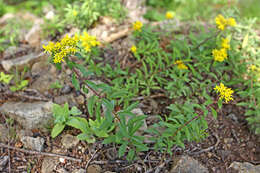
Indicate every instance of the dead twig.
{"type": "Point", "coordinates": [24, 96]}
{"type": "Point", "coordinates": [209, 148]}
{"type": "Point", "coordinates": [92, 157]}
{"type": "Point", "coordinates": [38, 153]}
{"type": "Point", "coordinates": [118, 35]}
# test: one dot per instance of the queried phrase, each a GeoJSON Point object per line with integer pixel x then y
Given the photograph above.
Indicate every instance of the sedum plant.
{"type": "Point", "coordinates": [194, 74]}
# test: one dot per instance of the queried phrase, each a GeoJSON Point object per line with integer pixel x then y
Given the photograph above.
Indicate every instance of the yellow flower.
{"type": "Point", "coordinates": [75, 13]}
{"type": "Point", "coordinates": [88, 41]}
{"type": "Point", "coordinates": [231, 22]}
{"type": "Point", "coordinates": [49, 47]}
{"type": "Point", "coordinates": [225, 43]}
{"type": "Point", "coordinates": [169, 15]}
{"type": "Point", "coordinates": [219, 55]}
{"type": "Point", "coordinates": [133, 49]}
{"type": "Point", "coordinates": [253, 67]}
{"type": "Point", "coordinates": [181, 65]}
{"type": "Point", "coordinates": [224, 92]}
{"type": "Point", "coordinates": [222, 22]}
{"type": "Point", "coordinates": [61, 49]}
{"type": "Point", "coordinates": [137, 26]}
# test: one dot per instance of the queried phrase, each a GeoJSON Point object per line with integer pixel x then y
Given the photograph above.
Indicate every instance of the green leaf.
{"type": "Point", "coordinates": [75, 111]}
{"type": "Point", "coordinates": [75, 82]}
{"type": "Point", "coordinates": [110, 139]}
{"type": "Point", "coordinates": [57, 129]}
{"type": "Point", "coordinates": [131, 154]}
{"type": "Point", "coordinates": [132, 106]}
{"type": "Point", "coordinates": [86, 137]}
{"type": "Point", "coordinates": [5, 78]}
{"type": "Point", "coordinates": [214, 113]}
{"type": "Point", "coordinates": [220, 103]}
{"type": "Point", "coordinates": [83, 70]}
{"type": "Point", "coordinates": [122, 149]}
{"type": "Point", "coordinates": [79, 123]}
{"type": "Point", "coordinates": [90, 105]}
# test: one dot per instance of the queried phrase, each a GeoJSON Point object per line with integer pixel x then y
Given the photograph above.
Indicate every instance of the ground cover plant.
{"type": "Point", "coordinates": [175, 79]}
{"type": "Point", "coordinates": [197, 75]}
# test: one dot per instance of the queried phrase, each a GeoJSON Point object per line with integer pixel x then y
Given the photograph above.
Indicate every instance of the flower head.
{"type": "Point", "coordinates": [75, 13]}
{"type": "Point", "coordinates": [88, 41]}
{"type": "Point", "coordinates": [137, 26]}
{"type": "Point", "coordinates": [133, 49]}
{"type": "Point", "coordinates": [59, 50]}
{"type": "Point", "coordinates": [231, 22]}
{"type": "Point", "coordinates": [169, 15]}
{"type": "Point", "coordinates": [222, 22]}
{"type": "Point", "coordinates": [225, 43]}
{"type": "Point", "coordinates": [181, 65]}
{"type": "Point", "coordinates": [219, 54]}
{"type": "Point", "coordinates": [224, 92]}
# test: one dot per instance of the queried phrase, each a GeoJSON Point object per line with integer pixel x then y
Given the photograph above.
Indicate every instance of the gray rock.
{"type": "Point", "coordinates": [39, 67]}
{"type": "Point", "coordinates": [3, 133]}
{"type": "Point", "coordinates": [3, 162]}
{"type": "Point", "coordinates": [245, 167]}
{"type": "Point", "coordinates": [33, 143]}
{"type": "Point", "coordinates": [233, 117]}
{"type": "Point", "coordinates": [13, 50]}
{"type": "Point", "coordinates": [187, 164]}
{"type": "Point", "coordinates": [69, 141]}
{"type": "Point", "coordinates": [66, 89]}
{"type": "Point", "coordinates": [36, 115]}
{"type": "Point", "coordinates": [49, 164]}
{"type": "Point", "coordinates": [33, 37]}
{"type": "Point", "coordinates": [94, 169]}
{"type": "Point", "coordinates": [47, 76]}
{"type": "Point", "coordinates": [79, 171]}
{"type": "Point", "coordinates": [21, 62]}
{"type": "Point", "coordinates": [69, 98]}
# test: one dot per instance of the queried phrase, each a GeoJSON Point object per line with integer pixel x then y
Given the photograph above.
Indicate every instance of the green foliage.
{"type": "Point", "coordinates": [63, 116]}
{"type": "Point", "coordinates": [19, 82]}
{"type": "Point", "coordinates": [52, 27]}
{"type": "Point", "coordinates": [84, 13]}
{"type": "Point", "coordinates": [5, 78]}
{"type": "Point", "coordinates": [183, 71]}
{"type": "Point", "coordinates": [56, 85]}
{"type": "Point", "coordinates": [2, 8]}
{"type": "Point", "coordinates": [10, 33]}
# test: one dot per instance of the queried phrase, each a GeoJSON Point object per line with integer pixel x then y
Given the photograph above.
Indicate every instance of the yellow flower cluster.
{"type": "Point", "coordinates": [137, 26]}
{"type": "Point", "coordinates": [181, 65]}
{"type": "Point", "coordinates": [254, 68]}
{"type": "Point", "coordinates": [88, 41]}
{"type": "Point", "coordinates": [65, 47]}
{"type": "Point", "coordinates": [75, 13]}
{"type": "Point", "coordinates": [133, 49]}
{"type": "Point", "coordinates": [225, 43]}
{"type": "Point", "coordinates": [224, 92]}
{"type": "Point", "coordinates": [169, 15]}
{"type": "Point", "coordinates": [221, 54]}
{"type": "Point", "coordinates": [222, 22]}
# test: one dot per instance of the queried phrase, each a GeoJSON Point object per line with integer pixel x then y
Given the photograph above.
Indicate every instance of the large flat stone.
{"type": "Point", "coordinates": [36, 115]}
{"type": "Point", "coordinates": [21, 62]}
